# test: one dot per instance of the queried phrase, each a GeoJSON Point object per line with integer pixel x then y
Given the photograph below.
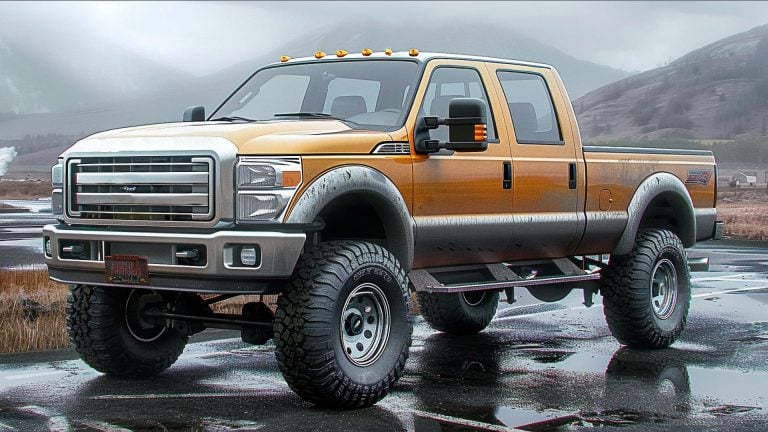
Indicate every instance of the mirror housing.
{"type": "Point", "coordinates": [467, 127]}
{"type": "Point", "coordinates": [194, 114]}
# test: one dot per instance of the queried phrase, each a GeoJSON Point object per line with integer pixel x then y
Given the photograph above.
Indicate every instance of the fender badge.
{"type": "Point", "coordinates": [699, 176]}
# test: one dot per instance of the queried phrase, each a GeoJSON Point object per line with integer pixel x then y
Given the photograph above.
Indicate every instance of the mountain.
{"type": "Point", "coordinates": [719, 91]}
{"type": "Point", "coordinates": [40, 77]}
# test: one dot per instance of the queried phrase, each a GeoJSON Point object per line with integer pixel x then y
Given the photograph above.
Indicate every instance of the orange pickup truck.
{"type": "Point", "coordinates": [350, 184]}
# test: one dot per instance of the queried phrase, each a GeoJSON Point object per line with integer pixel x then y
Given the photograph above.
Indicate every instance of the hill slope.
{"type": "Point", "coordinates": [719, 91]}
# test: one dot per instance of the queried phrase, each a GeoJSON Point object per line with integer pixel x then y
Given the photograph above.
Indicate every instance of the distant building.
{"type": "Point", "coordinates": [744, 178]}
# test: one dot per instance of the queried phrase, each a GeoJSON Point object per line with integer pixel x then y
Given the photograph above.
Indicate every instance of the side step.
{"type": "Point", "coordinates": [560, 272]}
{"type": "Point", "coordinates": [698, 264]}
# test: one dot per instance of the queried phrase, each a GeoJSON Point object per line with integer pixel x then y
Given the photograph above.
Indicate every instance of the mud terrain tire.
{"type": "Point", "coordinates": [646, 294]}
{"type": "Point", "coordinates": [98, 327]}
{"type": "Point", "coordinates": [342, 328]}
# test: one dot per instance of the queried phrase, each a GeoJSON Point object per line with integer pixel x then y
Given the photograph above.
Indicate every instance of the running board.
{"type": "Point", "coordinates": [505, 278]}
{"type": "Point", "coordinates": [698, 264]}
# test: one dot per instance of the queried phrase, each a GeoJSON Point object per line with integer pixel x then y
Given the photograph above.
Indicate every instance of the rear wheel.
{"type": "Point", "coordinates": [646, 294]}
{"type": "Point", "coordinates": [108, 330]}
{"type": "Point", "coordinates": [342, 328]}
{"type": "Point", "coordinates": [459, 313]}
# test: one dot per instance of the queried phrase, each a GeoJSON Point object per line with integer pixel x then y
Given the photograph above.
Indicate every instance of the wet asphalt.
{"type": "Point", "coordinates": [538, 367]}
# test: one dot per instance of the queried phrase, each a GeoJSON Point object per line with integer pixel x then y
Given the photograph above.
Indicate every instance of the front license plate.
{"type": "Point", "coordinates": [126, 270]}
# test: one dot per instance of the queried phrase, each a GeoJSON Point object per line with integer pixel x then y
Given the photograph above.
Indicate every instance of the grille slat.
{"type": "Point", "coordinates": [151, 188]}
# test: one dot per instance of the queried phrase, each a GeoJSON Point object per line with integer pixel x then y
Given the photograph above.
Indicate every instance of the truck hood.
{"type": "Point", "coordinates": [275, 137]}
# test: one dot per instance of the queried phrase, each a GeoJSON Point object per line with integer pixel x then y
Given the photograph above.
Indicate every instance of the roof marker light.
{"type": "Point", "coordinates": [319, 54]}
{"type": "Point", "coordinates": [388, 51]}
{"type": "Point", "coordinates": [413, 52]}
{"type": "Point", "coordinates": [341, 53]}
{"type": "Point", "coordinates": [284, 59]}
{"type": "Point", "coordinates": [366, 52]}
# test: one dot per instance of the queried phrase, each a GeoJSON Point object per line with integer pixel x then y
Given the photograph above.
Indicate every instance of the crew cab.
{"type": "Point", "coordinates": [350, 184]}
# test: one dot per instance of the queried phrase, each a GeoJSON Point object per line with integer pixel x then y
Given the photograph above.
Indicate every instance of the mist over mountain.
{"type": "Point", "coordinates": [38, 74]}
{"type": "Point", "coordinates": [124, 89]}
{"type": "Point", "coordinates": [719, 91]}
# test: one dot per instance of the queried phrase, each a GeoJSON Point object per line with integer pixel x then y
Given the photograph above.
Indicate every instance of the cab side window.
{"type": "Point", "coordinates": [530, 103]}
{"type": "Point", "coordinates": [449, 83]}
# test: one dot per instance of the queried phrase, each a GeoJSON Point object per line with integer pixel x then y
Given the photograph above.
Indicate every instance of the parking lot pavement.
{"type": "Point", "coordinates": [543, 367]}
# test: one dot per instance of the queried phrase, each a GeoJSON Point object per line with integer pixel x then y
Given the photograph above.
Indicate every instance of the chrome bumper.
{"type": "Point", "coordinates": [279, 253]}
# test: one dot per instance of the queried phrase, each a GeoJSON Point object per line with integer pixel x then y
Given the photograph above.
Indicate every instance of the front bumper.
{"type": "Point", "coordinates": [220, 271]}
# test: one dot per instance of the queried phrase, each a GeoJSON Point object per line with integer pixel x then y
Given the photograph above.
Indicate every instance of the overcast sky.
{"type": "Point", "coordinates": [204, 37]}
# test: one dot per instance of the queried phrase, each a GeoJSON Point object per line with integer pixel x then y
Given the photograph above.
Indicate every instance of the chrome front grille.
{"type": "Point", "coordinates": [141, 188]}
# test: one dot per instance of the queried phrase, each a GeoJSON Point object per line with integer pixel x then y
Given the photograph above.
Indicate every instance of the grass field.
{"type": "Point", "coordinates": [24, 189]}
{"type": "Point", "coordinates": [32, 310]}
{"type": "Point", "coordinates": [745, 212]}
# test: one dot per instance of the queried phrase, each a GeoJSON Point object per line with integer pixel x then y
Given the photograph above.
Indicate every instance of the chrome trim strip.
{"type": "Point", "coordinates": [402, 148]}
{"type": "Point", "coordinates": [121, 178]}
{"type": "Point", "coordinates": [161, 199]}
{"type": "Point", "coordinates": [279, 251]}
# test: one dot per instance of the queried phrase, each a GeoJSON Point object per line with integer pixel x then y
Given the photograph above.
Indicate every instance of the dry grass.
{"type": "Point", "coordinates": [745, 212]}
{"type": "Point", "coordinates": [24, 189]}
{"type": "Point", "coordinates": [31, 311]}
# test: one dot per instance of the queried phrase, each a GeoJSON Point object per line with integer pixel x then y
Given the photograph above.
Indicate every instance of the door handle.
{"type": "Point", "coordinates": [507, 183]}
{"type": "Point", "coordinates": [572, 175]}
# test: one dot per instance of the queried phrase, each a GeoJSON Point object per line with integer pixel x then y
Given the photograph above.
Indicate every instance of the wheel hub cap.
{"type": "Point", "coordinates": [664, 289]}
{"type": "Point", "coordinates": [365, 324]}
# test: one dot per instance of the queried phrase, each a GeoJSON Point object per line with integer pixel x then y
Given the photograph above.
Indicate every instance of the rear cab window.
{"type": "Point", "coordinates": [530, 104]}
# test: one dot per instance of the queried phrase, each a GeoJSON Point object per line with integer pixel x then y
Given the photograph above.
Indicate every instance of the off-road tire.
{"type": "Point", "coordinates": [627, 286]}
{"type": "Point", "coordinates": [456, 314]}
{"type": "Point", "coordinates": [308, 325]}
{"type": "Point", "coordinates": [98, 329]}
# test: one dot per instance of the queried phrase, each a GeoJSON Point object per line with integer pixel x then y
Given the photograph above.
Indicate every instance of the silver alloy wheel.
{"type": "Point", "coordinates": [473, 298]}
{"type": "Point", "coordinates": [664, 289]}
{"type": "Point", "coordinates": [365, 324]}
{"type": "Point", "coordinates": [133, 321]}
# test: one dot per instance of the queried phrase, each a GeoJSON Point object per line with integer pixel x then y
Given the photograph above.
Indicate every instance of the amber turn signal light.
{"type": "Point", "coordinates": [481, 132]}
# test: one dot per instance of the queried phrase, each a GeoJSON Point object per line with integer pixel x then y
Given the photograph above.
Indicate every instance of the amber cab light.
{"type": "Point", "coordinates": [319, 54]}
{"type": "Point", "coordinates": [366, 52]}
{"type": "Point", "coordinates": [284, 59]}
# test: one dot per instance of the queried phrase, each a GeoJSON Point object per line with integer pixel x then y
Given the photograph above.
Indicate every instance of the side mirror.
{"type": "Point", "coordinates": [194, 114]}
{"type": "Point", "coordinates": [467, 127]}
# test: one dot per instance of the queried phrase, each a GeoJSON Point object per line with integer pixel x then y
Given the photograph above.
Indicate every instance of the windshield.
{"type": "Point", "coordinates": [366, 94]}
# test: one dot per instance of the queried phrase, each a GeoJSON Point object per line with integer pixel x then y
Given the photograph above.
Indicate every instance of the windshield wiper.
{"type": "Point", "coordinates": [233, 119]}
{"type": "Point", "coordinates": [313, 114]}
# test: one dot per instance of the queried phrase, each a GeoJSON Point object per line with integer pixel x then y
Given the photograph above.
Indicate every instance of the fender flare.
{"type": "Point", "coordinates": [653, 186]}
{"type": "Point", "coordinates": [377, 188]}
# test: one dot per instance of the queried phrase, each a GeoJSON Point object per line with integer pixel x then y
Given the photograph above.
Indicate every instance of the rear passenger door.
{"type": "Point", "coordinates": [547, 176]}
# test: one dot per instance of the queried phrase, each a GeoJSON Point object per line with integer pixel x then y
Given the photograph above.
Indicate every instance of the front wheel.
{"type": "Point", "coordinates": [646, 294]}
{"type": "Point", "coordinates": [108, 330]}
{"type": "Point", "coordinates": [342, 328]}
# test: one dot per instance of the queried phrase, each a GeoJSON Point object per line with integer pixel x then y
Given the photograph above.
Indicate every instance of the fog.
{"type": "Point", "coordinates": [202, 37]}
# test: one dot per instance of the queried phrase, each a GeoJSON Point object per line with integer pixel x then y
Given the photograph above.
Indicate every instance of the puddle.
{"type": "Point", "coordinates": [736, 387]}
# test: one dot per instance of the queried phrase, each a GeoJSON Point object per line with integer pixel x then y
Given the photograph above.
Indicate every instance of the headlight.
{"type": "Point", "coordinates": [265, 186]}
{"type": "Point", "coordinates": [57, 183]}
